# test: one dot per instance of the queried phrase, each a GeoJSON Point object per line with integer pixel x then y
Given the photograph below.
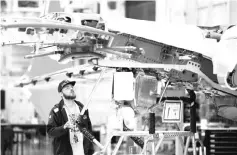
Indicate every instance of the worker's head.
{"type": "Point", "coordinates": [65, 88]}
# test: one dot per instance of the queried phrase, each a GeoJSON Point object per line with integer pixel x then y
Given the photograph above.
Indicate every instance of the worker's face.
{"type": "Point", "coordinates": [68, 92]}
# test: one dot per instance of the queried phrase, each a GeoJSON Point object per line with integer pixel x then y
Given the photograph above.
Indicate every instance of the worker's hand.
{"type": "Point", "coordinates": [68, 125]}
{"type": "Point", "coordinates": [80, 121]}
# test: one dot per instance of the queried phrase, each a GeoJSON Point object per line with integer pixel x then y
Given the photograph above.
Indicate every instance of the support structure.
{"type": "Point", "coordinates": [150, 136]}
{"type": "Point", "coordinates": [155, 138]}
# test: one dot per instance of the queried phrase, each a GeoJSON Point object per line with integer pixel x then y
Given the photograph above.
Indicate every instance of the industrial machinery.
{"type": "Point", "coordinates": [191, 64]}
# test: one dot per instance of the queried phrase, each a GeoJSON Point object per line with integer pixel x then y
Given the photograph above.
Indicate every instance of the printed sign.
{"type": "Point", "coordinates": [172, 111]}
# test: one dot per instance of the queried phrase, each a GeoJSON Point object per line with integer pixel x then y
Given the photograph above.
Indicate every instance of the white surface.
{"type": "Point", "coordinates": [123, 86]}
{"type": "Point", "coordinates": [128, 116]}
{"type": "Point", "coordinates": [180, 35]}
{"type": "Point", "coordinates": [226, 51]}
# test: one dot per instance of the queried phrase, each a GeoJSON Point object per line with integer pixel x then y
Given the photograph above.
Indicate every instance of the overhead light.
{"type": "Point", "coordinates": [34, 82]}
{"type": "Point", "coordinates": [19, 85]}
{"type": "Point", "coordinates": [95, 68]}
{"type": "Point", "coordinates": [69, 74]}
{"type": "Point", "coordinates": [47, 79]}
{"type": "Point", "coordinates": [82, 72]}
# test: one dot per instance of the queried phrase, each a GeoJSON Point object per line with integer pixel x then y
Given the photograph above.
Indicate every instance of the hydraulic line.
{"type": "Point", "coordinates": [152, 123]}
{"type": "Point", "coordinates": [85, 132]}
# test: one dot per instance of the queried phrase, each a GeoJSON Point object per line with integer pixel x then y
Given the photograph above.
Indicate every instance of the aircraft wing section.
{"type": "Point", "coordinates": [191, 38]}
{"type": "Point", "coordinates": [53, 24]}
{"type": "Point", "coordinates": [184, 36]}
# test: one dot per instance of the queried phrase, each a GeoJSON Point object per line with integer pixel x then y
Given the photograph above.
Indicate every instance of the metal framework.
{"type": "Point", "coordinates": [158, 137]}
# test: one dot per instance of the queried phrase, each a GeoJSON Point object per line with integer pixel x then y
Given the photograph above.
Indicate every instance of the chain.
{"type": "Point", "coordinates": [73, 121]}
